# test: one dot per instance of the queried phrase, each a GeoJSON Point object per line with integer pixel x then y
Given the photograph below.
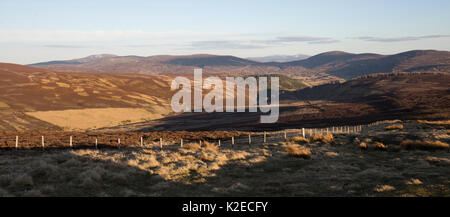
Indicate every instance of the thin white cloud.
{"type": "Point", "coordinates": [253, 44]}
{"type": "Point", "coordinates": [300, 39]}
{"type": "Point", "coordinates": [65, 46]}
{"type": "Point", "coordinates": [43, 36]}
{"type": "Point", "coordinates": [327, 41]}
{"type": "Point", "coordinates": [224, 45]}
{"type": "Point", "coordinates": [400, 39]}
{"type": "Point", "coordinates": [139, 38]}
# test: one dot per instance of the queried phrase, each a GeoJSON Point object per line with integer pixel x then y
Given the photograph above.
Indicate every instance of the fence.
{"type": "Point", "coordinates": [252, 138]}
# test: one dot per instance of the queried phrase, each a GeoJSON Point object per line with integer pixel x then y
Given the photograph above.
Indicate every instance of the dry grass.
{"type": "Point", "coordinates": [414, 182]}
{"type": "Point", "coordinates": [424, 145]}
{"type": "Point", "coordinates": [384, 188]}
{"type": "Point", "coordinates": [394, 127]}
{"type": "Point", "coordinates": [81, 119]}
{"type": "Point", "coordinates": [334, 170]}
{"type": "Point", "coordinates": [208, 146]}
{"type": "Point", "coordinates": [379, 146]}
{"type": "Point", "coordinates": [192, 146]}
{"type": "Point", "coordinates": [323, 138]}
{"type": "Point", "coordinates": [207, 157]}
{"type": "Point", "coordinates": [294, 150]}
{"type": "Point", "coordinates": [446, 122]}
{"type": "Point", "coordinates": [298, 139]}
{"type": "Point", "coordinates": [367, 140]}
{"type": "Point", "coordinates": [363, 145]}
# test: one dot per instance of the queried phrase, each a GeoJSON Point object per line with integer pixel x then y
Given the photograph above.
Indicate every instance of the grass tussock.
{"type": "Point", "coordinates": [192, 146]}
{"type": "Point", "coordinates": [323, 138]}
{"type": "Point", "coordinates": [414, 182]}
{"type": "Point", "coordinates": [208, 146]}
{"type": "Point", "coordinates": [207, 157]}
{"type": "Point", "coordinates": [298, 139]}
{"type": "Point", "coordinates": [379, 146]}
{"type": "Point", "coordinates": [363, 146]}
{"type": "Point", "coordinates": [367, 140]}
{"type": "Point", "coordinates": [294, 150]}
{"type": "Point", "coordinates": [424, 145]}
{"type": "Point", "coordinates": [384, 188]}
{"type": "Point", "coordinates": [394, 127]}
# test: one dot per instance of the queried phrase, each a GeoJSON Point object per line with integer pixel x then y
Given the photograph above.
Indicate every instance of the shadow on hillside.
{"type": "Point", "coordinates": [359, 101]}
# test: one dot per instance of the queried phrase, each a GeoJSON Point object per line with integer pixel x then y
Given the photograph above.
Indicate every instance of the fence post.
{"type": "Point", "coordinates": [96, 143]}
{"type": "Point", "coordinates": [43, 142]}
{"type": "Point", "coordinates": [118, 143]}
{"type": "Point", "coordinates": [249, 139]}
{"type": "Point", "coordinates": [265, 137]}
{"type": "Point", "coordinates": [285, 135]}
{"type": "Point", "coordinates": [303, 132]}
{"type": "Point", "coordinates": [219, 142]}
{"type": "Point", "coordinates": [142, 141]}
{"type": "Point", "coordinates": [327, 131]}
{"type": "Point", "coordinates": [181, 142]}
{"type": "Point", "coordinates": [70, 141]}
{"type": "Point", "coordinates": [160, 142]}
{"type": "Point", "coordinates": [17, 142]}
{"type": "Point", "coordinates": [232, 140]}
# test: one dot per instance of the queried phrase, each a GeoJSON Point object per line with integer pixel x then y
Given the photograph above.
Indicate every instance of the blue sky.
{"type": "Point", "coordinates": [33, 31]}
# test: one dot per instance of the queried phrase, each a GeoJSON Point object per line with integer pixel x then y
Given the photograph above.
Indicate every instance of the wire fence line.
{"type": "Point", "coordinates": [142, 141]}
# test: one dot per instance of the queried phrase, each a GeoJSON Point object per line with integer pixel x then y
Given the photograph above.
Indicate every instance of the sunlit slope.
{"type": "Point", "coordinates": [29, 90]}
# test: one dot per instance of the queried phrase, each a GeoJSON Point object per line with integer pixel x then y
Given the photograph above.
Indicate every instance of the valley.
{"type": "Point", "coordinates": [349, 125]}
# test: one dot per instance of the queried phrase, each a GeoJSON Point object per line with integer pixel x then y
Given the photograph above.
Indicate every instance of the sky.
{"type": "Point", "coordinates": [34, 31]}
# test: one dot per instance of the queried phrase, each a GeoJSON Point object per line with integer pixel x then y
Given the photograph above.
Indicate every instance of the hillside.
{"type": "Point", "coordinates": [376, 97]}
{"type": "Point", "coordinates": [318, 69]}
{"type": "Point", "coordinates": [37, 98]}
{"type": "Point", "coordinates": [46, 99]}
{"type": "Point", "coordinates": [359, 101]}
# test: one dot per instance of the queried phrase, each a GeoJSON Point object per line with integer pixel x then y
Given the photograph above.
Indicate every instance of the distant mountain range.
{"type": "Point", "coordinates": [336, 63]}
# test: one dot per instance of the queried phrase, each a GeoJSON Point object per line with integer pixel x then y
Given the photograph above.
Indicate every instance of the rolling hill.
{"type": "Point", "coordinates": [326, 67]}
{"type": "Point", "coordinates": [46, 99]}
{"type": "Point", "coordinates": [38, 99]}
{"type": "Point", "coordinates": [367, 99]}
